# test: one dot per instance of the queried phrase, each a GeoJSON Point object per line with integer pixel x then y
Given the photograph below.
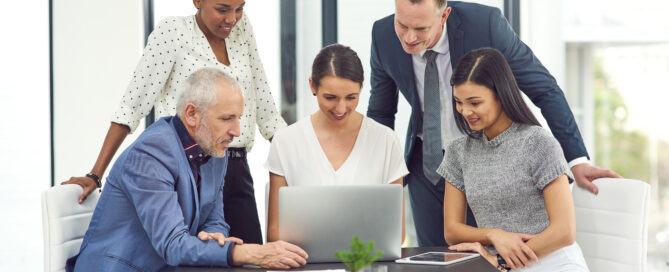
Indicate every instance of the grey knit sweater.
{"type": "Point", "coordinates": [503, 179]}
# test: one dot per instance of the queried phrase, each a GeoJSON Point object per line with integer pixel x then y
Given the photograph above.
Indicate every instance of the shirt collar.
{"type": "Point", "coordinates": [194, 152]}
{"type": "Point", "coordinates": [441, 46]}
{"type": "Point", "coordinates": [502, 137]}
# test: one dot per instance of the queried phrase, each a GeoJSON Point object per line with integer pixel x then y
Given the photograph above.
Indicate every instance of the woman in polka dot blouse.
{"type": "Point", "coordinates": [218, 35]}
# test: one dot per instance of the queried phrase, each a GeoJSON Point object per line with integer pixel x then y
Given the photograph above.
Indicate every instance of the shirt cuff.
{"type": "Point", "coordinates": [230, 248]}
{"type": "Point", "coordinates": [578, 161]}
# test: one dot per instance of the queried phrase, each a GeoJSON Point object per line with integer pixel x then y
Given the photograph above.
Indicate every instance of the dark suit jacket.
{"type": "Point", "coordinates": [469, 26]}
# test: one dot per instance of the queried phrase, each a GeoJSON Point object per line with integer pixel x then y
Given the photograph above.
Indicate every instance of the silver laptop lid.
{"type": "Point", "coordinates": [324, 219]}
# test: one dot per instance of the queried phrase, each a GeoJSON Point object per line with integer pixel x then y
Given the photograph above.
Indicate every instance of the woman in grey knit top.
{"type": "Point", "coordinates": [510, 171]}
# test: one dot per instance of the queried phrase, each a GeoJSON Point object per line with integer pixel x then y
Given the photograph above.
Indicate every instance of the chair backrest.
{"type": "Point", "coordinates": [64, 223]}
{"type": "Point", "coordinates": [612, 227]}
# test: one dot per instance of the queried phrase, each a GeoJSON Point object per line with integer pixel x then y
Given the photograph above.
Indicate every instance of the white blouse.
{"type": "Point", "coordinates": [175, 49]}
{"type": "Point", "coordinates": [376, 157]}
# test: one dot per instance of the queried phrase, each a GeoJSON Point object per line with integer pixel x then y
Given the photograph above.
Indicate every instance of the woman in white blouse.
{"type": "Point", "coordinates": [336, 145]}
{"type": "Point", "coordinates": [218, 35]}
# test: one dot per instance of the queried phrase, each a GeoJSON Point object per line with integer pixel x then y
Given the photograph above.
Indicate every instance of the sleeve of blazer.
{"type": "Point", "coordinates": [215, 222]}
{"type": "Point", "coordinates": [538, 84]}
{"type": "Point", "coordinates": [149, 185]}
{"type": "Point", "coordinates": [383, 97]}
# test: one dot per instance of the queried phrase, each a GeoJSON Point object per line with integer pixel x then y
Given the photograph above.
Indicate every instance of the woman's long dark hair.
{"type": "Point", "coordinates": [487, 67]}
{"type": "Point", "coordinates": [339, 61]}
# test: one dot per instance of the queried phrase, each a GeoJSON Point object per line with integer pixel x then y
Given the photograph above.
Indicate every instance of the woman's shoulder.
{"type": "Point", "coordinates": [379, 132]}
{"type": "Point", "coordinates": [242, 30]}
{"type": "Point", "coordinates": [179, 22]}
{"type": "Point", "coordinates": [536, 136]}
{"type": "Point", "coordinates": [375, 127]}
{"type": "Point", "coordinates": [293, 131]}
{"type": "Point", "coordinates": [459, 143]}
{"type": "Point", "coordinates": [463, 139]}
{"type": "Point", "coordinates": [172, 29]}
{"type": "Point", "coordinates": [244, 22]}
{"type": "Point", "coordinates": [534, 131]}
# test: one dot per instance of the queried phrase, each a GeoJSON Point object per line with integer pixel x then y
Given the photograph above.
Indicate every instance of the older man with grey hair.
{"type": "Point", "coordinates": [162, 205]}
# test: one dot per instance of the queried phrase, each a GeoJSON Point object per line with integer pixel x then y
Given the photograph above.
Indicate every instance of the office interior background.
{"type": "Point", "coordinates": [64, 65]}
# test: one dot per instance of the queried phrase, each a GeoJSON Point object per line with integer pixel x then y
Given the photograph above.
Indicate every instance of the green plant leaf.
{"type": "Point", "coordinates": [359, 264]}
{"type": "Point", "coordinates": [360, 255]}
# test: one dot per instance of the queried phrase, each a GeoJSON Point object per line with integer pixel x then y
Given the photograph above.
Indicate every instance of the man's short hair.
{"type": "Point", "coordinates": [200, 89]}
{"type": "Point", "coordinates": [441, 4]}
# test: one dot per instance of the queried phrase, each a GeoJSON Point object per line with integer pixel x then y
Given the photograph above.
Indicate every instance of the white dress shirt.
{"type": "Point", "coordinates": [175, 49]}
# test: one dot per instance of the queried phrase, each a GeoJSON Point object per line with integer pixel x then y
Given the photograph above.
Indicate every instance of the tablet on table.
{"type": "Point", "coordinates": [438, 258]}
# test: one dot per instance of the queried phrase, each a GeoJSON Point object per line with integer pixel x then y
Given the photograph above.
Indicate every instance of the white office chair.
{"type": "Point", "coordinates": [612, 227]}
{"type": "Point", "coordinates": [64, 223]}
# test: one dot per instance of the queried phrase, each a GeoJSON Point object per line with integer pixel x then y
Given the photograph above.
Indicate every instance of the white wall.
{"type": "Point", "coordinates": [96, 46]}
{"type": "Point", "coordinates": [25, 163]}
{"type": "Point", "coordinates": [308, 41]}
{"type": "Point", "coordinates": [541, 29]}
{"type": "Point", "coordinates": [94, 54]}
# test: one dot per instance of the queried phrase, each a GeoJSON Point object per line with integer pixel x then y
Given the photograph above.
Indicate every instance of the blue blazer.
{"type": "Point", "coordinates": [149, 212]}
{"type": "Point", "coordinates": [469, 26]}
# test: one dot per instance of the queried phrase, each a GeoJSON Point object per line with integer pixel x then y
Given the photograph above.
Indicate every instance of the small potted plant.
{"type": "Point", "coordinates": [360, 257]}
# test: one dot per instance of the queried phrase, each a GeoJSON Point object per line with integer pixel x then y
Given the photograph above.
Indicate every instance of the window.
{"type": "Point", "coordinates": [612, 61]}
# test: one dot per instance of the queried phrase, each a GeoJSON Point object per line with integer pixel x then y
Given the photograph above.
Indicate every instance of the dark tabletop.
{"type": "Point", "coordinates": [474, 265]}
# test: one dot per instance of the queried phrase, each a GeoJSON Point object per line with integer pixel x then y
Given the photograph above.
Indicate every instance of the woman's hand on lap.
{"type": "Point", "coordinates": [512, 247]}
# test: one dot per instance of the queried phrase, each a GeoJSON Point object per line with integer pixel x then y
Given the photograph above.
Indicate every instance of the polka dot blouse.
{"type": "Point", "coordinates": [176, 48]}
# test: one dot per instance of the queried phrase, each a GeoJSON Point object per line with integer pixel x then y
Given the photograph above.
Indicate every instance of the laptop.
{"type": "Point", "coordinates": [324, 219]}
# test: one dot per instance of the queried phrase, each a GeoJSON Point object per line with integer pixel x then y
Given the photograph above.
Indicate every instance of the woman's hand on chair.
{"type": "Point", "coordinates": [88, 184]}
{"type": "Point", "coordinates": [512, 247]}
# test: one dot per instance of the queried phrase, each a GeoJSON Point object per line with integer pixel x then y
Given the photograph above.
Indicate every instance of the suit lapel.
{"type": "Point", "coordinates": [407, 75]}
{"type": "Point", "coordinates": [210, 177]}
{"type": "Point", "coordinates": [455, 37]}
{"type": "Point", "coordinates": [195, 217]}
{"type": "Point", "coordinates": [206, 185]}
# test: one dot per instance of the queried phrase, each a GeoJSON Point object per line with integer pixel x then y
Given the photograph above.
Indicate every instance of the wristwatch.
{"type": "Point", "coordinates": [95, 178]}
{"type": "Point", "coordinates": [501, 263]}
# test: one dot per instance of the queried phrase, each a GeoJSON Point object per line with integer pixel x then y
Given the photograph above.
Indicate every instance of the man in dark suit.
{"type": "Point", "coordinates": [425, 39]}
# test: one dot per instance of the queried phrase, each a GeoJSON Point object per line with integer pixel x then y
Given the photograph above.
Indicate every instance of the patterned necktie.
{"type": "Point", "coordinates": [432, 149]}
